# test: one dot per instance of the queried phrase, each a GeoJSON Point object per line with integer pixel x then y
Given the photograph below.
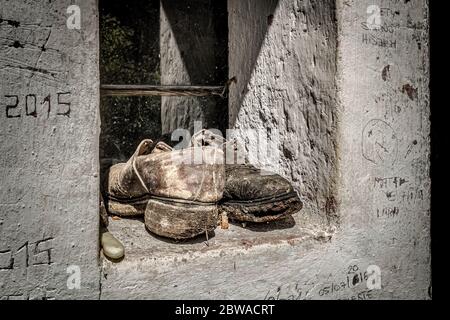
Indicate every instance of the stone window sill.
{"type": "Point", "coordinates": [149, 258]}
{"type": "Point", "coordinates": [141, 244]}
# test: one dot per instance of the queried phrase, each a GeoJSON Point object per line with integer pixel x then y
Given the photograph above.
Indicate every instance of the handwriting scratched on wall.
{"type": "Point", "coordinates": [294, 291]}
{"type": "Point", "coordinates": [399, 109]}
{"type": "Point", "coordinates": [381, 34]}
{"type": "Point", "coordinates": [31, 105]}
{"type": "Point", "coordinates": [344, 288]}
{"type": "Point", "coordinates": [27, 51]}
{"type": "Point", "coordinates": [354, 276]}
{"type": "Point", "coordinates": [389, 21]}
{"type": "Point", "coordinates": [35, 294]}
{"type": "Point", "coordinates": [26, 255]}
{"type": "Point", "coordinates": [392, 194]}
{"type": "Point", "coordinates": [379, 143]}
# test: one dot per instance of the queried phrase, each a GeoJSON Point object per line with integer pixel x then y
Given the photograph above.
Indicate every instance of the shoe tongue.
{"type": "Point", "coordinates": [161, 147]}
{"type": "Point", "coordinates": [207, 138]}
{"type": "Point", "coordinates": [144, 147]}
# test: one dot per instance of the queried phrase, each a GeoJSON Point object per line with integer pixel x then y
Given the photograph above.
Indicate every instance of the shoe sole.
{"type": "Point", "coordinates": [263, 209]}
{"type": "Point", "coordinates": [126, 207]}
{"type": "Point", "coordinates": [172, 218]}
{"type": "Point", "coordinates": [180, 219]}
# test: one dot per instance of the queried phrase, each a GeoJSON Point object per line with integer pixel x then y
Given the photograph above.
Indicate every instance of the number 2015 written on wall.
{"type": "Point", "coordinates": [32, 105]}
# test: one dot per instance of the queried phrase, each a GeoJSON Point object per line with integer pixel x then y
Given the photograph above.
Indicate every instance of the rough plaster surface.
{"type": "Point", "coordinates": [283, 55]}
{"type": "Point", "coordinates": [158, 268]}
{"type": "Point", "coordinates": [382, 165]}
{"type": "Point", "coordinates": [385, 142]}
{"type": "Point", "coordinates": [49, 187]}
{"type": "Point", "coordinates": [48, 156]}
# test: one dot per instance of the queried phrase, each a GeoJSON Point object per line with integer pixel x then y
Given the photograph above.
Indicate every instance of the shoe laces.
{"type": "Point", "coordinates": [136, 172]}
{"type": "Point", "coordinates": [199, 137]}
{"type": "Point", "coordinates": [133, 162]}
{"type": "Point", "coordinates": [138, 175]}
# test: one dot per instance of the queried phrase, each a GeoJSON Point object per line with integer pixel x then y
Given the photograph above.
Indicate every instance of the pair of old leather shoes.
{"type": "Point", "coordinates": [181, 192]}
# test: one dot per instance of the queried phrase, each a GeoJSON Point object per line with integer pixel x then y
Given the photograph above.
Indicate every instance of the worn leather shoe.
{"type": "Point", "coordinates": [176, 190]}
{"type": "Point", "coordinates": [249, 195]}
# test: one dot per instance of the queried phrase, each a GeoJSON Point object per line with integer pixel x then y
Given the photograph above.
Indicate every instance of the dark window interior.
{"type": "Point", "coordinates": [130, 54]}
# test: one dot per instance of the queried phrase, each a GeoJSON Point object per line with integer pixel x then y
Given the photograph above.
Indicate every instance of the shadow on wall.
{"type": "Point", "coordinates": [283, 54]}
{"type": "Point", "coordinates": [200, 31]}
{"type": "Point", "coordinates": [258, 17]}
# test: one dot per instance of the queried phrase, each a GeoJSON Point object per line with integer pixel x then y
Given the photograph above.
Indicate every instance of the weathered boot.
{"type": "Point", "coordinates": [125, 193]}
{"type": "Point", "coordinates": [249, 195]}
{"type": "Point", "coordinates": [176, 190]}
{"type": "Point", "coordinates": [191, 182]}
{"type": "Point", "coordinates": [253, 197]}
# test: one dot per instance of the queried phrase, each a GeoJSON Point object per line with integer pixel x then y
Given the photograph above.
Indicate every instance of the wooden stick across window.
{"type": "Point", "coordinates": [154, 90]}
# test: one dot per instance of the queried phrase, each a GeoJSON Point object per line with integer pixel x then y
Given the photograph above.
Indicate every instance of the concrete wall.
{"type": "Point", "coordinates": [49, 126]}
{"type": "Point", "coordinates": [385, 141]}
{"type": "Point", "coordinates": [283, 55]}
{"type": "Point", "coordinates": [365, 106]}
{"type": "Point", "coordinates": [193, 46]}
{"type": "Point", "coordinates": [379, 120]}
{"type": "Point", "coordinates": [352, 106]}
